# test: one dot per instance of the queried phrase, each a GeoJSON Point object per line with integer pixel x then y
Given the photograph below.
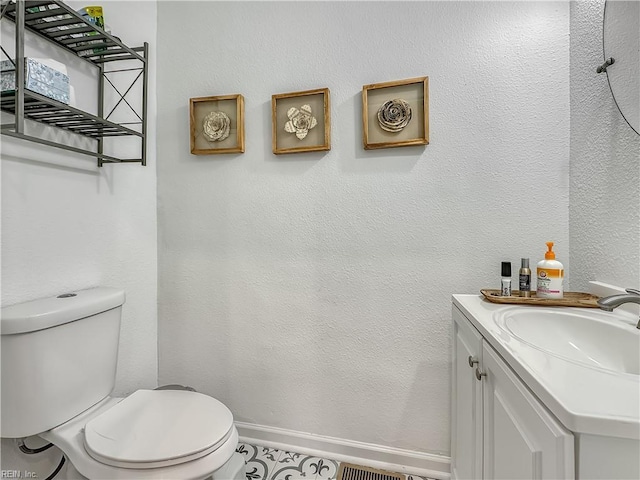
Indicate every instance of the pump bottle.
{"type": "Point", "coordinates": [550, 275]}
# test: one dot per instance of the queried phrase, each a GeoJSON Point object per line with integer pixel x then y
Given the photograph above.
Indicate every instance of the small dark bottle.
{"type": "Point", "coordinates": [505, 290]}
{"type": "Point", "coordinates": [525, 278]}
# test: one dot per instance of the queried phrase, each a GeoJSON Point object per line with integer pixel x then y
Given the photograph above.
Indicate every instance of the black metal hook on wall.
{"type": "Point", "coordinates": [603, 68]}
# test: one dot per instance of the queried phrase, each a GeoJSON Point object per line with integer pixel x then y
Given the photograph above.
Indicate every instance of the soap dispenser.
{"type": "Point", "coordinates": [550, 275]}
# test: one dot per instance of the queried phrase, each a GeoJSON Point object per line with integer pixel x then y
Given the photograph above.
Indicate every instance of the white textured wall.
{"type": "Point", "coordinates": [68, 225]}
{"type": "Point", "coordinates": [605, 166]}
{"type": "Point", "coordinates": [312, 291]}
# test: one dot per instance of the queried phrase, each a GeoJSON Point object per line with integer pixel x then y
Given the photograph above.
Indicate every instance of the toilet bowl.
{"type": "Point", "coordinates": [72, 342]}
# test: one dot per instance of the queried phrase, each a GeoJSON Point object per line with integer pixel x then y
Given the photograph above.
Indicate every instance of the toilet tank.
{"type": "Point", "coordinates": [59, 358]}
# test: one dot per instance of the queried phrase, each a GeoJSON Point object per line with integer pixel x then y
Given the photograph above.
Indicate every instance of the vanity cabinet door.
{"type": "Point", "coordinates": [466, 399]}
{"type": "Point", "coordinates": [522, 440]}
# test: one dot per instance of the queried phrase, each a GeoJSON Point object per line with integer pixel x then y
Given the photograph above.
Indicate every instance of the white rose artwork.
{"type": "Point", "coordinates": [300, 121]}
{"type": "Point", "coordinates": [394, 115]}
{"type": "Point", "coordinates": [216, 126]}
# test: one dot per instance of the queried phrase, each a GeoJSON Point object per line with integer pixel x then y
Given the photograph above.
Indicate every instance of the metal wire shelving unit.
{"type": "Point", "coordinates": [59, 24]}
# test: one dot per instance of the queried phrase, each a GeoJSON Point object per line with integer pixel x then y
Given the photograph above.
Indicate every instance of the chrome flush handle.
{"type": "Point", "coordinates": [472, 361]}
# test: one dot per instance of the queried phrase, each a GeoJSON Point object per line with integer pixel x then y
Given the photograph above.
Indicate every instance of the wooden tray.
{"type": "Point", "coordinates": [571, 299]}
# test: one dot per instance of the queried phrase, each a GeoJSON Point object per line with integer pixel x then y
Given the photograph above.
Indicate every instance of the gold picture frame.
{"type": "Point", "coordinates": [395, 114]}
{"type": "Point", "coordinates": [301, 121]}
{"type": "Point", "coordinates": [217, 124]}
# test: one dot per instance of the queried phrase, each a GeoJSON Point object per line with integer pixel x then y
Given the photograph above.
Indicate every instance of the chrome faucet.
{"type": "Point", "coordinates": [609, 303]}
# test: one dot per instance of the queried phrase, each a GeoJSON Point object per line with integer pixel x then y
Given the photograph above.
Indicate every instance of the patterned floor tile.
{"type": "Point", "coordinates": [271, 464]}
{"type": "Point", "coordinates": [260, 460]}
{"type": "Point", "coordinates": [327, 469]}
{"type": "Point", "coordinates": [295, 466]}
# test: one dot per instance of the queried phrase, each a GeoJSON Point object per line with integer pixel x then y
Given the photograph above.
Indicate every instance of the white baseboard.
{"type": "Point", "coordinates": [367, 454]}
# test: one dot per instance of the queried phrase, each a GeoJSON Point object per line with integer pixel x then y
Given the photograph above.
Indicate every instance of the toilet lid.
{"type": "Point", "coordinates": [155, 428]}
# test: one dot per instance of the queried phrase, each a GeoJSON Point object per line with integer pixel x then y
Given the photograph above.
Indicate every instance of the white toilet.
{"type": "Point", "coordinates": [59, 360]}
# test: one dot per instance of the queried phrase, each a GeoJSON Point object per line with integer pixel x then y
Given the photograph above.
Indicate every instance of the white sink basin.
{"type": "Point", "coordinates": [595, 339]}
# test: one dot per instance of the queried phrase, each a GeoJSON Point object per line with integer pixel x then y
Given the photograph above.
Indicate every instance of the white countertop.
{"type": "Point", "coordinates": [585, 400]}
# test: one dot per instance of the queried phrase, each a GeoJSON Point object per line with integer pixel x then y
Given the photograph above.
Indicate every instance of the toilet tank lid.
{"type": "Point", "coordinates": [50, 312]}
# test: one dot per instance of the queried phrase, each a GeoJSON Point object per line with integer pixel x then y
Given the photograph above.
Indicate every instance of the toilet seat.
{"type": "Point", "coordinates": [69, 437]}
{"type": "Point", "coordinates": [158, 428]}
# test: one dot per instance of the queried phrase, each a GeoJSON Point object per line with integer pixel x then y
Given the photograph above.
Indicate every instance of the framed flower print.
{"type": "Point", "coordinates": [301, 121]}
{"type": "Point", "coordinates": [395, 114]}
{"type": "Point", "coordinates": [217, 124]}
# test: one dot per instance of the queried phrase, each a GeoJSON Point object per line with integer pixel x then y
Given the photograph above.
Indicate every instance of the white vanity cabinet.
{"type": "Point", "coordinates": [499, 429]}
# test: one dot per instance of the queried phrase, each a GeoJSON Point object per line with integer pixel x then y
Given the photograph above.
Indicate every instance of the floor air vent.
{"type": "Point", "coordinates": [349, 471]}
